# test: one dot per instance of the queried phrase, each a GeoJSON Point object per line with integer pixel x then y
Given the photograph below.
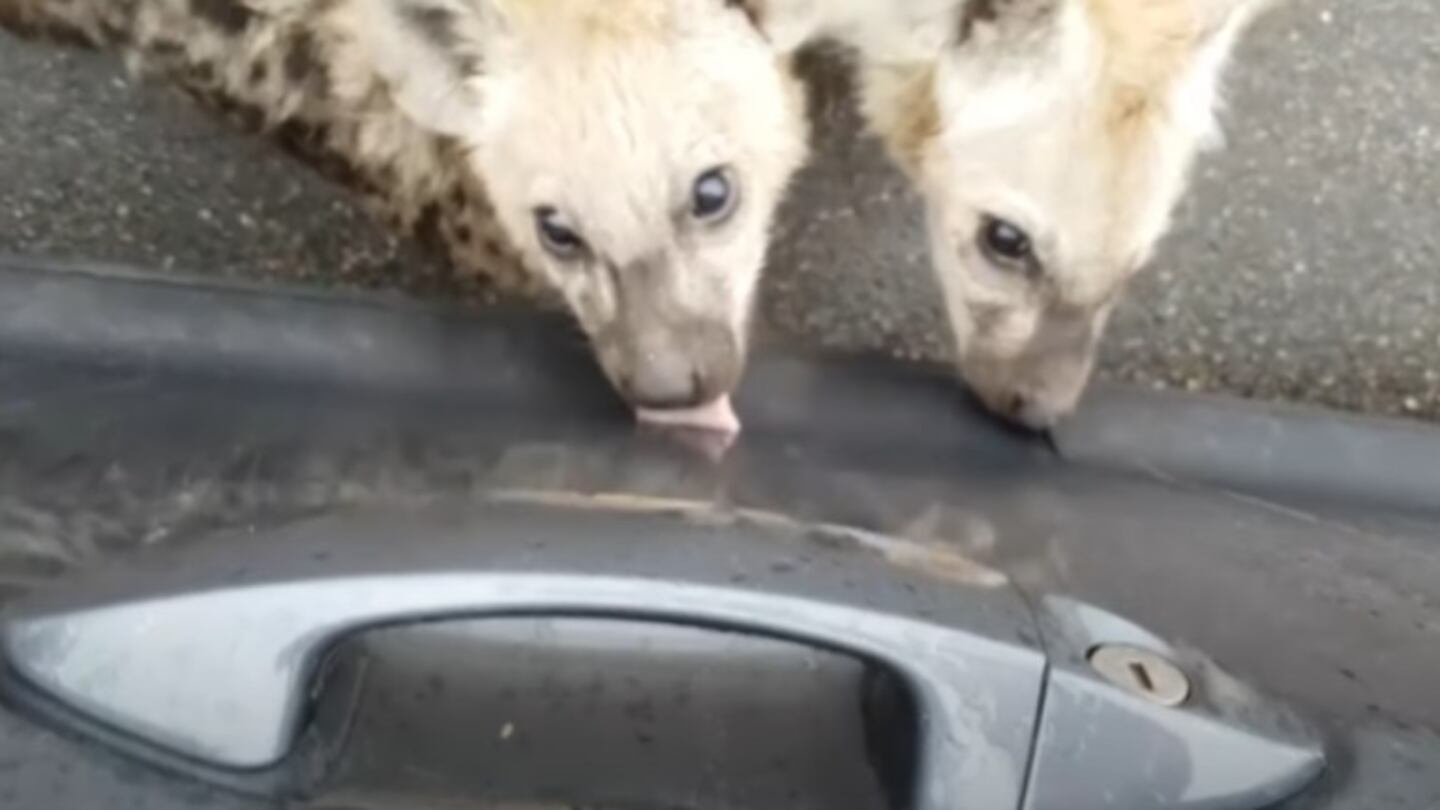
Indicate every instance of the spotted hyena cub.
{"type": "Point", "coordinates": [1051, 140]}
{"type": "Point", "coordinates": [632, 152]}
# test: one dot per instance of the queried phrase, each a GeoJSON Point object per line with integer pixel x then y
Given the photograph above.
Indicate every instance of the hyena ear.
{"type": "Point", "coordinates": [430, 52]}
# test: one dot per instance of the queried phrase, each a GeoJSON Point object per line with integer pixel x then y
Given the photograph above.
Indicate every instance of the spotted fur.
{"type": "Point", "coordinates": [269, 66]}
{"type": "Point", "coordinates": [459, 120]}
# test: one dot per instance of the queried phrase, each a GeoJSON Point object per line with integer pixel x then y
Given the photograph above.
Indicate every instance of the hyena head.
{"type": "Point", "coordinates": [1050, 142]}
{"type": "Point", "coordinates": [634, 151]}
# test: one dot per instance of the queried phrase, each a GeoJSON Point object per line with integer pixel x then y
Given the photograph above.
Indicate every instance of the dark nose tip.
{"type": "Point", "coordinates": [1015, 406]}
{"type": "Point", "coordinates": [1028, 412]}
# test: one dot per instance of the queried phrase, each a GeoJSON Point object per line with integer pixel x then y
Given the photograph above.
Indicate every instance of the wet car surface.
{"type": "Point", "coordinates": [178, 418]}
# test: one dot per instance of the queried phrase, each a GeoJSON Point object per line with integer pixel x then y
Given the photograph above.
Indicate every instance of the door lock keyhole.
{"type": "Point", "coordinates": [1141, 672]}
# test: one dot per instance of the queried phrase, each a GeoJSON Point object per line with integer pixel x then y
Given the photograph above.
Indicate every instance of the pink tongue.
{"type": "Point", "coordinates": [716, 416]}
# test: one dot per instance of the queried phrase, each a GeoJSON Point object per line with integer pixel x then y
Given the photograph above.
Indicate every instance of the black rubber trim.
{"type": "Point", "coordinates": [1281, 451]}
{"type": "Point", "coordinates": [539, 362]}
{"type": "Point", "coordinates": [517, 359]}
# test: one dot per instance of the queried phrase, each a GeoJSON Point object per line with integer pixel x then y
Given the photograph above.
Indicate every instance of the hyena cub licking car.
{"type": "Point", "coordinates": [632, 151]}
{"type": "Point", "coordinates": [1050, 140]}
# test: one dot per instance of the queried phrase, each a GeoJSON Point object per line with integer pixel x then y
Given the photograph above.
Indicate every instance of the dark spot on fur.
{"type": "Point", "coordinates": [302, 65]}
{"type": "Point", "coordinates": [494, 249]}
{"type": "Point", "coordinates": [434, 23]}
{"type": "Point", "coordinates": [440, 27]}
{"type": "Point", "coordinates": [462, 233]}
{"type": "Point", "coordinates": [259, 72]}
{"type": "Point", "coordinates": [166, 49]}
{"type": "Point", "coordinates": [977, 11]}
{"type": "Point", "coordinates": [457, 197]}
{"type": "Point", "coordinates": [427, 225]}
{"type": "Point", "coordinates": [227, 15]}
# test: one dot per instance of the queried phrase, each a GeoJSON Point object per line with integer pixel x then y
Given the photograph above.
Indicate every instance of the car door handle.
{"type": "Point", "coordinates": [209, 651]}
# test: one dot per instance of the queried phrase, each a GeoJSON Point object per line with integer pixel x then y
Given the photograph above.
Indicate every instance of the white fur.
{"type": "Point", "coordinates": [1021, 134]}
{"type": "Point", "coordinates": [613, 133]}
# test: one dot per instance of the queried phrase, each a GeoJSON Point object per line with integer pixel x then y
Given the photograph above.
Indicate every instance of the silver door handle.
{"type": "Point", "coordinates": [210, 655]}
{"type": "Point", "coordinates": [209, 651]}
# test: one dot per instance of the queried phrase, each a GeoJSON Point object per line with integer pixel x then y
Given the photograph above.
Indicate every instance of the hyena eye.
{"type": "Point", "coordinates": [714, 198]}
{"type": "Point", "coordinates": [558, 238]}
{"type": "Point", "coordinates": [1005, 243]}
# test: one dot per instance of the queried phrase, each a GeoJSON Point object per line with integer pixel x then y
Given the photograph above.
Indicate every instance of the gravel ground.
{"type": "Point", "coordinates": [1305, 265]}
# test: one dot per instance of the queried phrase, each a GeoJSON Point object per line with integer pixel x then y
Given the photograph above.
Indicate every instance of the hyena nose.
{"type": "Point", "coordinates": [1031, 412]}
{"type": "Point", "coordinates": [670, 369]}
{"type": "Point", "coordinates": [664, 383]}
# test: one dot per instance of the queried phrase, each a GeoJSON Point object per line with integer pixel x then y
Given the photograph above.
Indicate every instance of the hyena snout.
{"type": "Point", "coordinates": [1037, 407]}
{"type": "Point", "coordinates": [661, 368]}
{"type": "Point", "coordinates": [1043, 382]}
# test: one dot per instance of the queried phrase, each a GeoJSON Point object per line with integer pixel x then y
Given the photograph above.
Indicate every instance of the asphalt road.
{"type": "Point", "coordinates": [1304, 266]}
